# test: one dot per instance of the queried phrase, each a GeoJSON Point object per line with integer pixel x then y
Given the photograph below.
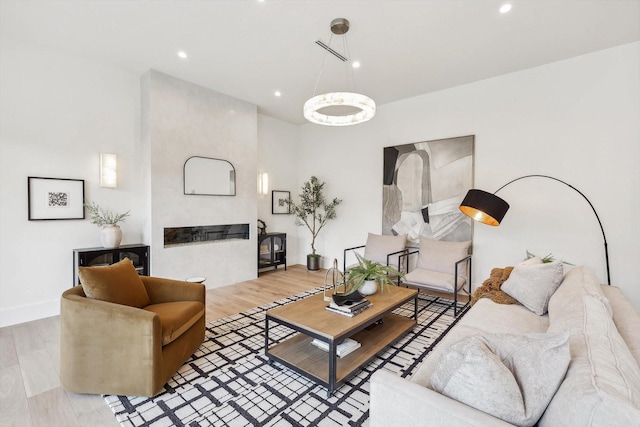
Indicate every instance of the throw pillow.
{"type": "Point", "coordinates": [118, 283]}
{"type": "Point", "coordinates": [534, 284]}
{"type": "Point", "coordinates": [438, 255]}
{"type": "Point", "coordinates": [510, 376]}
{"type": "Point", "coordinates": [378, 247]}
{"type": "Point", "coordinates": [532, 260]}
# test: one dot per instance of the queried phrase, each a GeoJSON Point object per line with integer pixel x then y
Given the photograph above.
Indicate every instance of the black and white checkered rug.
{"type": "Point", "coordinates": [228, 381]}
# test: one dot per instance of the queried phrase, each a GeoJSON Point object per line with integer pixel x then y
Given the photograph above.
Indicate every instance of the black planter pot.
{"type": "Point", "coordinates": [313, 263]}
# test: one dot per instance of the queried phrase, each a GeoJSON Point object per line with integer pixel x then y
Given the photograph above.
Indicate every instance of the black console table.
{"type": "Point", "coordinates": [88, 257]}
{"type": "Point", "coordinates": [272, 250]}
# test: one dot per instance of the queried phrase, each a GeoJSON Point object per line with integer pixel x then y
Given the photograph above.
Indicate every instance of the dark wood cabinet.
{"type": "Point", "coordinates": [89, 257]}
{"type": "Point", "coordinates": [272, 250]}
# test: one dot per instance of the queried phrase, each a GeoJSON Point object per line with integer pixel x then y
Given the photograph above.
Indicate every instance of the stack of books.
{"type": "Point", "coordinates": [344, 348]}
{"type": "Point", "coordinates": [350, 308]}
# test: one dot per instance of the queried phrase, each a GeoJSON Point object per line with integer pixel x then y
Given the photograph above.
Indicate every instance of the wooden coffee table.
{"type": "Point", "coordinates": [375, 329]}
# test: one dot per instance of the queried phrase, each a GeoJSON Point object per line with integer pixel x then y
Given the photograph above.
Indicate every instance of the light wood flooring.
{"type": "Point", "coordinates": [30, 390]}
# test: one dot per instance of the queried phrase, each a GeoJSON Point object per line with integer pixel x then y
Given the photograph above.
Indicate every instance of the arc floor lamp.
{"type": "Point", "coordinates": [489, 209]}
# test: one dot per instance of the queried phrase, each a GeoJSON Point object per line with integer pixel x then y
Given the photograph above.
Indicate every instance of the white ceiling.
{"type": "Point", "coordinates": [249, 49]}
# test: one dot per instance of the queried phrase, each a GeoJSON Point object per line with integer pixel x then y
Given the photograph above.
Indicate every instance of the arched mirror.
{"type": "Point", "coordinates": [209, 177]}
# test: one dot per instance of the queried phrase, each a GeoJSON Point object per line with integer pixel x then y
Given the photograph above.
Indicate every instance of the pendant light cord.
{"type": "Point", "coordinates": [324, 58]}
{"type": "Point", "coordinates": [349, 65]}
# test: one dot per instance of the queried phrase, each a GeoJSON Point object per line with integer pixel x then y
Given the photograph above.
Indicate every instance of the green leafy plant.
{"type": "Point", "coordinates": [101, 217]}
{"type": "Point", "coordinates": [313, 211]}
{"type": "Point", "coordinates": [370, 270]}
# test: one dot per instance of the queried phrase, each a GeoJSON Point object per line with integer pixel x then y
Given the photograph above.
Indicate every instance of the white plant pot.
{"type": "Point", "coordinates": [111, 236]}
{"type": "Point", "coordinates": [369, 287]}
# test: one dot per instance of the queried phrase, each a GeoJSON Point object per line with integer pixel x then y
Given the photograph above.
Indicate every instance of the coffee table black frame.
{"type": "Point", "coordinates": [376, 328]}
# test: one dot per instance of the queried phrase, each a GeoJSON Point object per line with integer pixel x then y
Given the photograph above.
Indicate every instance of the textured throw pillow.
{"type": "Point", "coordinates": [510, 376]}
{"type": "Point", "coordinates": [437, 255]}
{"type": "Point", "coordinates": [118, 283]}
{"type": "Point", "coordinates": [378, 247]}
{"type": "Point", "coordinates": [534, 284]}
{"type": "Point", "coordinates": [532, 260]}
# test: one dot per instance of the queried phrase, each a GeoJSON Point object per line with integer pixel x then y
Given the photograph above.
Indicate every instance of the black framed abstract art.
{"type": "Point", "coordinates": [55, 198]}
{"type": "Point", "coordinates": [279, 202]}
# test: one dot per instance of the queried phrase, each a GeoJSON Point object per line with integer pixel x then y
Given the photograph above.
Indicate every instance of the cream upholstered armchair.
{"type": "Point", "coordinates": [440, 266]}
{"type": "Point", "coordinates": [126, 334]}
{"type": "Point", "coordinates": [383, 249]}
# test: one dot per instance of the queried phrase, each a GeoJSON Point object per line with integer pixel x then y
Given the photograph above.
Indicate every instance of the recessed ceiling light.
{"type": "Point", "coordinates": [182, 54]}
{"type": "Point", "coordinates": [505, 8]}
{"type": "Point", "coordinates": [355, 64]}
{"type": "Point", "coordinates": [277, 93]}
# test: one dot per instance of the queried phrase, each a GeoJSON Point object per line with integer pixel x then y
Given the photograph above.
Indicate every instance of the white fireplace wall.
{"type": "Point", "coordinates": [180, 120]}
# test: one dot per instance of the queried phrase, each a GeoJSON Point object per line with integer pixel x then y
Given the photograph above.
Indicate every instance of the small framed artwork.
{"type": "Point", "coordinates": [279, 202]}
{"type": "Point", "coordinates": [55, 198]}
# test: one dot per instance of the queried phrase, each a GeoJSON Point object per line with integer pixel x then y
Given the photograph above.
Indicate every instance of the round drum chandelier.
{"type": "Point", "coordinates": [339, 108]}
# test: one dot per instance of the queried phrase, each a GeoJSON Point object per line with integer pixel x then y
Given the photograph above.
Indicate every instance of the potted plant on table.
{"type": "Point", "coordinates": [367, 275]}
{"type": "Point", "coordinates": [314, 212]}
{"type": "Point", "coordinates": [111, 234]}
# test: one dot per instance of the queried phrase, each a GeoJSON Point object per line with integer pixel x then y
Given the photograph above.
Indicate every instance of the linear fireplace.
{"type": "Point", "coordinates": [179, 236]}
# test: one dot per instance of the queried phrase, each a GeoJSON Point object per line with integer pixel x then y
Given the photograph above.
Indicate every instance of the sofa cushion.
{"type": "Point", "coordinates": [626, 319]}
{"type": "Point", "coordinates": [534, 284]}
{"type": "Point", "coordinates": [438, 255]}
{"type": "Point", "coordinates": [117, 283]}
{"type": "Point", "coordinates": [577, 282]}
{"type": "Point", "coordinates": [510, 376]}
{"type": "Point", "coordinates": [485, 316]}
{"type": "Point", "coordinates": [176, 317]}
{"type": "Point", "coordinates": [602, 385]}
{"type": "Point", "coordinates": [378, 247]}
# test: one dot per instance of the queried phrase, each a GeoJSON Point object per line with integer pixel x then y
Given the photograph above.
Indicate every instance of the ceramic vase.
{"type": "Point", "coordinates": [369, 287]}
{"type": "Point", "coordinates": [111, 235]}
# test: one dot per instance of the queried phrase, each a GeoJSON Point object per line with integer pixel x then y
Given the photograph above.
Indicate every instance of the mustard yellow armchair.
{"type": "Point", "coordinates": [114, 348]}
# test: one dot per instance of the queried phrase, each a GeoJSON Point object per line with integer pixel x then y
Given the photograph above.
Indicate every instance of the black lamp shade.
{"type": "Point", "coordinates": [484, 207]}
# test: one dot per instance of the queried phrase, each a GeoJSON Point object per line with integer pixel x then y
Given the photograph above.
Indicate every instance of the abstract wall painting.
{"type": "Point", "coordinates": [423, 186]}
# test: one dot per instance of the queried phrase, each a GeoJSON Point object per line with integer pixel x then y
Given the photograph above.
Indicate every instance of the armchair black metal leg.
{"type": "Point", "coordinates": [455, 301]}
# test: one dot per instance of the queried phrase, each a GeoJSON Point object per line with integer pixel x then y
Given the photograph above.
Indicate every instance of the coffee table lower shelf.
{"type": "Point", "coordinates": [300, 355]}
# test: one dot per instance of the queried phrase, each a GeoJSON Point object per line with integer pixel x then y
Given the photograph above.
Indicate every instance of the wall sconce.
{"type": "Point", "coordinates": [108, 175]}
{"type": "Point", "coordinates": [263, 183]}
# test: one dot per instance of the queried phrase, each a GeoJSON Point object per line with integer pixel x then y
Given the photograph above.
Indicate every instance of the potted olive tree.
{"type": "Point", "coordinates": [314, 212]}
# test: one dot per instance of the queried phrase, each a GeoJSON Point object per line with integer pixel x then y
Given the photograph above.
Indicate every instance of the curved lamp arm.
{"type": "Point", "coordinates": [490, 209]}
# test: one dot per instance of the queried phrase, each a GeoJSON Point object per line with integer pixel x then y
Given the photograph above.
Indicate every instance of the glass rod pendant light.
{"type": "Point", "coordinates": [339, 108]}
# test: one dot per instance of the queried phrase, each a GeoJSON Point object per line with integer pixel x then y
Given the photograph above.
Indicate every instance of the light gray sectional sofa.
{"type": "Point", "coordinates": [601, 386]}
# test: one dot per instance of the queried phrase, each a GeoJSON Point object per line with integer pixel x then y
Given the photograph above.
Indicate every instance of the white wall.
{"type": "Point", "coordinates": [57, 114]}
{"type": "Point", "coordinates": [278, 143]}
{"type": "Point", "coordinates": [576, 120]}
{"type": "Point", "coordinates": [186, 120]}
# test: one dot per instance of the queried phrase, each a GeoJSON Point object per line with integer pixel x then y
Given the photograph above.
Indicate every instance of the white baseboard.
{"type": "Point", "coordinates": [27, 313]}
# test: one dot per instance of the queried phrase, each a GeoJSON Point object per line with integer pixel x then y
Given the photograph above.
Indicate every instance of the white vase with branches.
{"type": "Point", "coordinates": [111, 234]}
